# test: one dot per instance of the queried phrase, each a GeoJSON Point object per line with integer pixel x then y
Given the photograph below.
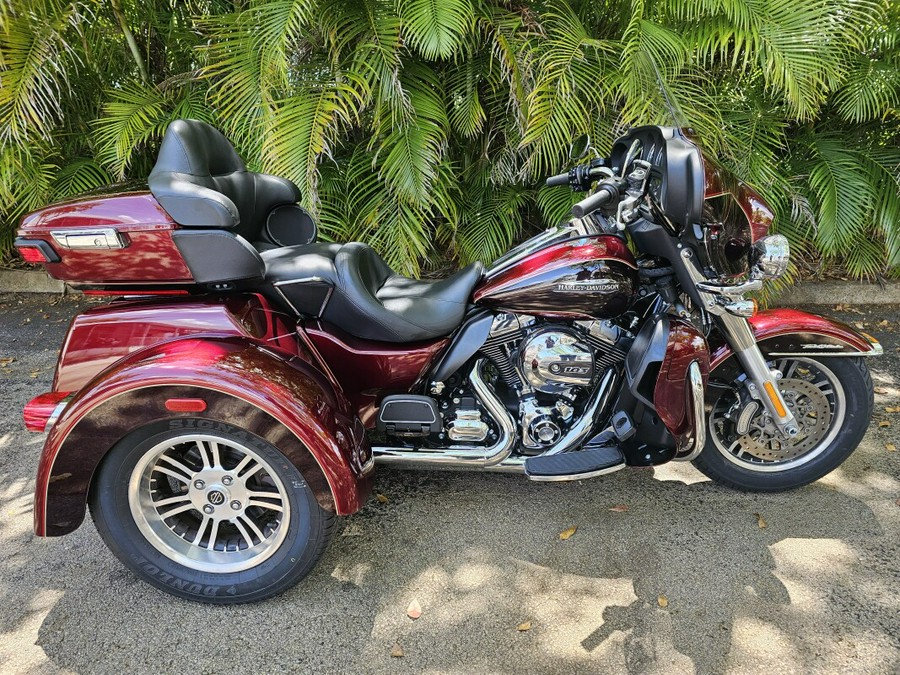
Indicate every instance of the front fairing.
{"type": "Point", "coordinates": [733, 217]}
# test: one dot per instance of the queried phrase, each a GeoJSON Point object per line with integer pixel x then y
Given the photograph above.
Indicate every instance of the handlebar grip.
{"type": "Point", "coordinates": [561, 179]}
{"type": "Point", "coordinates": [592, 203]}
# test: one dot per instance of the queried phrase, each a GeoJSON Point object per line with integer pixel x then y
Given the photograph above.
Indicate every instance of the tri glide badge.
{"type": "Point", "coordinates": [589, 286]}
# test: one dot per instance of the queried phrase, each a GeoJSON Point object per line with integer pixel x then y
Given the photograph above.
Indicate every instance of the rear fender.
{"type": "Point", "coordinates": [791, 332]}
{"type": "Point", "coordinates": [266, 392]}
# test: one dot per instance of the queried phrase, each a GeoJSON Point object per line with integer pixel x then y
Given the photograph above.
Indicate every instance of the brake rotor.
{"type": "Point", "coordinates": [812, 411]}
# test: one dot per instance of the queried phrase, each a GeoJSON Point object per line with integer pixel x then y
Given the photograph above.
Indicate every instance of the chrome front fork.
{"type": "Point", "coordinates": [762, 383]}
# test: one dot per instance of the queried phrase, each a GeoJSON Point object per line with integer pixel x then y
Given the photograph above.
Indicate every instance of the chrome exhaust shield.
{"type": "Point", "coordinates": [460, 456]}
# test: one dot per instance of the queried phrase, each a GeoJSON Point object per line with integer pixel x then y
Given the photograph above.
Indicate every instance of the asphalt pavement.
{"type": "Point", "coordinates": [666, 571]}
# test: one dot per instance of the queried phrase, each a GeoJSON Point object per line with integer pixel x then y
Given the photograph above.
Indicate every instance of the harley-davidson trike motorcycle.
{"type": "Point", "coordinates": [234, 400]}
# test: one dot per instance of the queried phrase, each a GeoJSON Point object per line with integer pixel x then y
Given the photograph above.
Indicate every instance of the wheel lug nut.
{"type": "Point", "coordinates": [199, 484]}
{"type": "Point", "coordinates": [208, 508]}
{"type": "Point", "coordinates": [227, 480]}
{"type": "Point", "coordinates": [236, 505]}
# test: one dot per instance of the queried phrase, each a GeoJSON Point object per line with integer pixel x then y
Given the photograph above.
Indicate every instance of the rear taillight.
{"type": "Point", "coordinates": [42, 411]}
{"type": "Point", "coordinates": [32, 255]}
{"type": "Point", "coordinates": [36, 251]}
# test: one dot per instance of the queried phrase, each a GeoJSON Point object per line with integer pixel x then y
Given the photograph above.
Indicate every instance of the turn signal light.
{"type": "Point", "coordinates": [41, 411]}
{"type": "Point", "coordinates": [745, 308]}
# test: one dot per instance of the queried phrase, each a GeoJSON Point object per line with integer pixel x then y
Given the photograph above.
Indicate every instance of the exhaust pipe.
{"type": "Point", "coordinates": [496, 457]}
{"type": "Point", "coordinates": [460, 456]}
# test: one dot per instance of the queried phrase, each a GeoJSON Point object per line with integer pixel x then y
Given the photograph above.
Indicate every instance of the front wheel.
{"type": "Point", "coordinates": [208, 512]}
{"type": "Point", "coordinates": [832, 400]}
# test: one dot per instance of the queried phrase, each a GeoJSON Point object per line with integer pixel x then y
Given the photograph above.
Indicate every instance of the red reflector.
{"type": "Point", "coordinates": [32, 254]}
{"type": "Point", "coordinates": [40, 409]}
{"type": "Point", "coordinates": [186, 404]}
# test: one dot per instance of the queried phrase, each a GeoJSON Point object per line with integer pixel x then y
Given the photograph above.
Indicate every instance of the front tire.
{"type": "Point", "coordinates": [832, 400]}
{"type": "Point", "coordinates": [208, 512]}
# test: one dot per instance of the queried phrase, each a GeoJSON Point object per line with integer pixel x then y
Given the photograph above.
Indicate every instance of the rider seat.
{"type": "Point", "coordinates": [351, 286]}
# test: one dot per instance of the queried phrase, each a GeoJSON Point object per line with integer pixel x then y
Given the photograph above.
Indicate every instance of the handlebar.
{"type": "Point", "coordinates": [605, 193]}
{"type": "Point", "coordinates": [560, 179]}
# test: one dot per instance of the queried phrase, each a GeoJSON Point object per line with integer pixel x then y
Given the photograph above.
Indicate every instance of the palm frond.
{"type": "Point", "coordinates": [435, 28]}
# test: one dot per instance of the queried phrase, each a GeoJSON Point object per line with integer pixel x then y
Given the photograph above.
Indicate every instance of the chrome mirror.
{"type": "Point", "coordinates": [579, 147]}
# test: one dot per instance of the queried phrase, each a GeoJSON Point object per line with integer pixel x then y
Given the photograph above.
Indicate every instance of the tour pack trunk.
{"type": "Point", "coordinates": [116, 242]}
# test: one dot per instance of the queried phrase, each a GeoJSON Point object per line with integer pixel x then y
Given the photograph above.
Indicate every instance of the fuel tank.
{"type": "Point", "coordinates": [591, 277]}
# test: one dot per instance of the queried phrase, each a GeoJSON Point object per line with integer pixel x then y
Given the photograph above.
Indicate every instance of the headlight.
{"type": "Point", "coordinates": [769, 257]}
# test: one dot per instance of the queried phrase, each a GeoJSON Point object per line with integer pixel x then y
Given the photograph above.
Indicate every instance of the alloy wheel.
{"type": "Point", "coordinates": [209, 503]}
{"type": "Point", "coordinates": [812, 393]}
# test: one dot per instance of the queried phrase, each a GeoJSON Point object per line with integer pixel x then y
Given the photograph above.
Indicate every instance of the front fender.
{"type": "Point", "coordinates": [271, 394]}
{"type": "Point", "coordinates": [791, 332]}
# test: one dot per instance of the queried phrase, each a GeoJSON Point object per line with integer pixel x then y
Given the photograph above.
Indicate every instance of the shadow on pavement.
{"type": "Point", "coordinates": [481, 554]}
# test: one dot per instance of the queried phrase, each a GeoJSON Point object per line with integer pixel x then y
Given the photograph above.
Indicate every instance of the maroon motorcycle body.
{"type": "Point", "coordinates": [583, 278]}
{"type": "Point", "coordinates": [567, 359]}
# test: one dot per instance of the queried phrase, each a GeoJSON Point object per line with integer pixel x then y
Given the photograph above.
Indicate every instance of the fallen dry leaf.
{"type": "Point", "coordinates": [880, 390]}
{"type": "Point", "coordinates": [760, 521]}
{"type": "Point", "coordinates": [884, 423]}
{"type": "Point", "coordinates": [897, 502]}
{"type": "Point", "coordinates": [619, 508]}
{"type": "Point", "coordinates": [522, 627]}
{"type": "Point", "coordinates": [859, 324]}
{"type": "Point", "coordinates": [892, 409]}
{"type": "Point", "coordinates": [382, 499]}
{"type": "Point", "coordinates": [890, 447]}
{"type": "Point", "coordinates": [884, 322]}
{"type": "Point", "coordinates": [397, 651]}
{"type": "Point", "coordinates": [35, 373]}
{"type": "Point", "coordinates": [662, 601]}
{"type": "Point", "coordinates": [565, 534]}
{"type": "Point", "coordinates": [6, 360]}
{"type": "Point", "coordinates": [414, 611]}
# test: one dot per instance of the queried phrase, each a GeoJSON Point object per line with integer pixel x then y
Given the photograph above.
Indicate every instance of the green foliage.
{"type": "Point", "coordinates": [425, 126]}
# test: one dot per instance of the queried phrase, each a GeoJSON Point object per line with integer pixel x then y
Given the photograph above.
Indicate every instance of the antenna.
{"type": "Point", "coordinates": [675, 113]}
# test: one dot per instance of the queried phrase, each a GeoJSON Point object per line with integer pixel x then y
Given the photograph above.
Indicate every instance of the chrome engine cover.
{"type": "Point", "coordinates": [468, 426]}
{"type": "Point", "coordinates": [554, 360]}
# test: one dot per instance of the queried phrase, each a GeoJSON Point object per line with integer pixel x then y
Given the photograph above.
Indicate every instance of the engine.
{"type": "Point", "coordinates": [551, 368]}
{"type": "Point", "coordinates": [553, 360]}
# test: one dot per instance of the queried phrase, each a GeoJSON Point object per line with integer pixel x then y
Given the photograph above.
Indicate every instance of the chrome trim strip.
{"type": "Point", "coordinates": [288, 282]}
{"type": "Point", "coordinates": [57, 411]}
{"type": "Point", "coordinates": [461, 456]}
{"type": "Point", "coordinates": [695, 381]}
{"type": "Point", "coordinates": [577, 476]}
{"type": "Point", "coordinates": [102, 238]}
{"type": "Point", "coordinates": [325, 301]}
{"type": "Point", "coordinates": [284, 297]}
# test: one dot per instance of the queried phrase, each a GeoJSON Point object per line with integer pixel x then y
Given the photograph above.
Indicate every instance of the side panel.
{"type": "Point", "coordinates": [149, 255]}
{"type": "Point", "coordinates": [672, 396]}
{"type": "Point", "coordinates": [791, 331]}
{"type": "Point", "coordinates": [587, 277]}
{"type": "Point", "coordinates": [102, 335]}
{"type": "Point", "coordinates": [367, 371]}
{"type": "Point", "coordinates": [281, 398]}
